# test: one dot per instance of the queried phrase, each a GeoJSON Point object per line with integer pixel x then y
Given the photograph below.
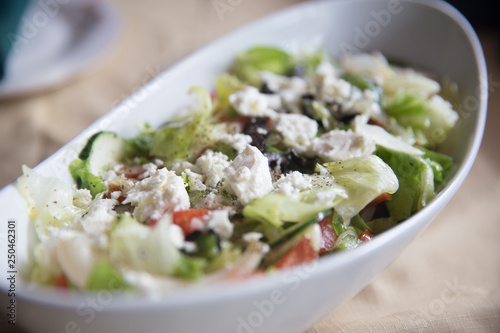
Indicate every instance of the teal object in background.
{"type": "Point", "coordinates": [11, 12]}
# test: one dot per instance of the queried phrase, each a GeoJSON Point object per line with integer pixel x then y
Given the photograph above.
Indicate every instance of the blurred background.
{"type": "Point", "coordinates": [65, 63]}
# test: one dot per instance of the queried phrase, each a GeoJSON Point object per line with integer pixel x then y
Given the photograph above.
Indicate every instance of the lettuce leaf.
{"type": "Point", "coordinates": [142, 248]}
{"type": "Point", "coordinates": [409, 110]}
{"type": "Point", "coordinates": [442, 167]}
{"type": "Point", "coordinates": [226, 85]}
{"type": "Point", "coordinates": [363, 178]}
{"type": "Point", "coordinates": [140, 145]}
{"type": "Point", "coordinates": [185, 139]}
{"type": "Point", "coordinates": [49, 202]}
{"type": "Point", "coordinates": [416, 182]}
{"type": "Point", "coordinates": [431, 120]}
{"type": "Point", "coordinates": [105, 277]}
{"type": "Point", "coordinates": [274, 210]}
{"type": "Point", "coordinates": [249, 64]}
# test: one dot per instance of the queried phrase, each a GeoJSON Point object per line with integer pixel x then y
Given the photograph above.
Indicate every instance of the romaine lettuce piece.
{"type": "Point", "coordinates": [430, 120]}
{"type": "Point", "coordinates": [49, 202]}
{"type": "Point", "coordinates": [105, 277]}
{"type": "Point", "coordinates": [359, 81]}
{"type": "Point", "coordinates": [248, 65]}
{"type": "Point", "coordinates": [307, 63]}
{"type": "Point", "coordinates": [385, 139]}
{"type": "Point", "coordinates": [143, 248]}
{"type": "Point", "coordinates": [442, 167]}
{"type": "Point", "coordinates": [228, 255]}
{"type": "Point", "coordinates": [363, 178]}
{"type": "Point", "coordinates": [140, 145]}
{"type": "Point", "coordinates": [276, 209]}
{"type": "Point", "coordinates": [442, 120]}
{"type": "Point", "coordinates": [381, 224]}
{"type": "Point", "coordinates": [184, 140]}
{"type": "Point", "coordinates": [410, 82]}
{"type": "Point", "coordinates": [409, 110]}
{"type": "Point", "coordinates": [226, 85]}
{"type": "Point", "coordinates": [416, 182]}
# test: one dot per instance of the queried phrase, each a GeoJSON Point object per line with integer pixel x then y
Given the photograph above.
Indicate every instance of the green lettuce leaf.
{"type": "Point", "coordinates": [409, 110]}
{"type": "Point", "coordinates": [140, 145]}
{"type": "Point", "coordinates": [226, 85]}
{"type": "Point", "coordinates": [431, 120]}
{"type": "Point", "coordinates": [442, 167]}
{"type": "Point", "coordinates": [416, 182]}
{"type": "Point", "coordinates": [49, 202]}
{"type": "Point", "coordinates": [274, 210]}
{"type": "Point", "coordinates": [143, 248]}
{"type": "Point", "coordinates": [105, 277]}
{"type": "Point", "coordinates": [249, 64]}
{"type": "Point", "coordinates": [185, 139]}
{"type": "Point", "coordinates": [363, 179]}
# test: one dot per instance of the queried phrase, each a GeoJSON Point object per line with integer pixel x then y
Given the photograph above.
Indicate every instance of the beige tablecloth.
{"type": "Point", "coordinates": [447, 280]}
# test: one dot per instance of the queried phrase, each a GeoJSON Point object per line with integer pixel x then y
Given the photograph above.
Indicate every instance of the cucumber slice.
{"type": "Point", "coordinates": [102, 150]}
{"type": "Point", "coordinates": [281, 244]}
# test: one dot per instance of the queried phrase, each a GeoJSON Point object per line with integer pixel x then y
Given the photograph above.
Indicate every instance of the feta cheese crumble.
{"type": "Point", "coordinates": [151, 194]}
{"type": "Point", "coordinates": [297, 131]}
{"type": "Point", "coordinates": [294, 182]}
{"type": "Point", "coordinates": [212, 165]}
{"type": "Point", "coordinates": [339, 145]}
{"type": "Point", "coordinates": [248, 175]}
{"type": "Point", "coordinates": [219, 222]}
{"type": "Point", "coordinates": [250, 102]}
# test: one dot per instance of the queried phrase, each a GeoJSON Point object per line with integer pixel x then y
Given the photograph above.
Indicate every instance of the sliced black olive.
{"type": "Point", "coordinates": [264, 89]}
{"type": "Point", "coordinates": [258, 129]}
{"type": "Point", "coordinates": [300, 163]}
{"type": "Point", "coordinates": [278, 162]}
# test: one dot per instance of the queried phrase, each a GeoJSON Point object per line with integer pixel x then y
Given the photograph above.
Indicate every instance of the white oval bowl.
{"type": "Point", "coordinates": [430, 35]}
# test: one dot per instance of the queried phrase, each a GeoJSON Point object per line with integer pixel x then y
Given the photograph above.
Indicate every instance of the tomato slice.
{"type": "Point", "coordinates": [381, 198]}
{"type": "Point", "coordinates": [300, 254]}
{"type": "Point", "coordinates": [328, 235]}
{"type": "Point", "coordinates": [133, 171]}
{"type": "Point", "coordinates": [185, 219]}
{"type": "Point", "coordinates": [242, 120]}
{"type": "Point", "coordinates": [61, 281]}
{"type": "Point", "coordinates": [366, 236]}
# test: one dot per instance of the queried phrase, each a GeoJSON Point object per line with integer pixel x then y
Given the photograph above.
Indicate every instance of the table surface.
{"type": "Point", "coordinates": [446, 280]}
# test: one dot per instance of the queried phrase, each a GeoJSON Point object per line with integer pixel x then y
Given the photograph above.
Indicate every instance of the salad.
{"type": "Point", "coordinates": [290, 158]}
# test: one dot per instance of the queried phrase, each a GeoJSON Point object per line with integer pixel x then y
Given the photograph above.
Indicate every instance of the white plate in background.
{"type": "Point", "coordinates": [56, 42]}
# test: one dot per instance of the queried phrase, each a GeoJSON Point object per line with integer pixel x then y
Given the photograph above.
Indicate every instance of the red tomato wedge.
{"type": "Point", "coordinates": [242, 120]}
{"type": "Point", "coordinates": [366, 236]}
{"type": "Point", "coordinates": [133, 171]}
{"type": "Point", "coordinates": [300, 254]}
{"type": "Point", "coordinates": [381, 198]}
{"type": "Point", "coordinates": [184, 219]}
{"type": "Point", "coordinates": [328, 235]}
{"type": "Point", "coordinates": [61, 281]}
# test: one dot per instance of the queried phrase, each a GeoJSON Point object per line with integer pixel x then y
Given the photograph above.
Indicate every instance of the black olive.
{"type": "Point", "coordinates": [300, 163]}
{"type": "Point", "coordinates": [278, 162]}
{"type": "Point", "coordinates": [258, 129]}
{"type": "Point", "coordinates": [264, 89]}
